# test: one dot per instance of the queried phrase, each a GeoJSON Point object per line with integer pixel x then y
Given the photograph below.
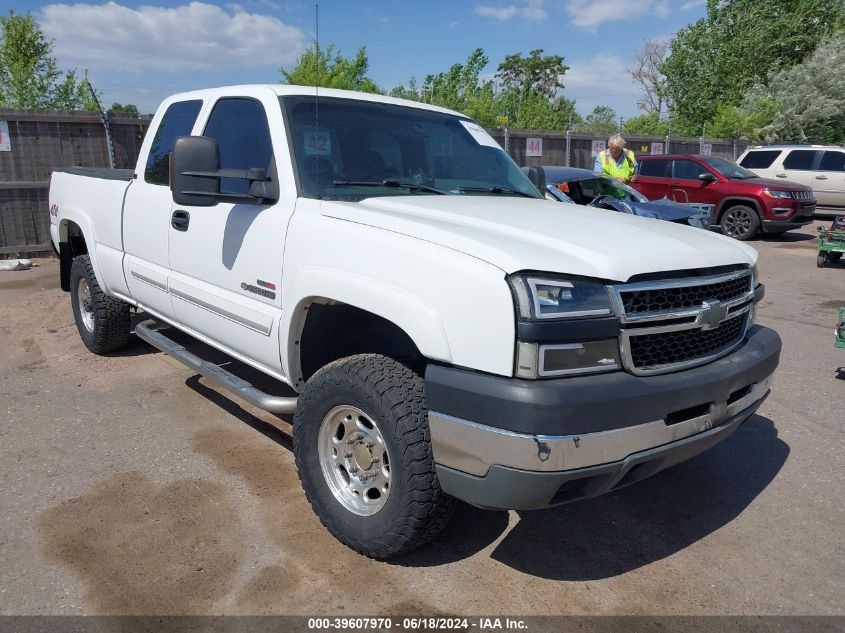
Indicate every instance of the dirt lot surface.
{"type": "Point", "coordinates": [127, 485]}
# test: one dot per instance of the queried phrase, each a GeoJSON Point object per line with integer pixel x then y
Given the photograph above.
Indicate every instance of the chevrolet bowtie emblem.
{"type": "Point", "coordinates": [712, 314]}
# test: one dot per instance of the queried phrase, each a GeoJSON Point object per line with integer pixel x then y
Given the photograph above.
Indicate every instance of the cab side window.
{"type": "Point", "coordinates": [177, 121]}
{"type": "Point", "coordinates": [243, 135]}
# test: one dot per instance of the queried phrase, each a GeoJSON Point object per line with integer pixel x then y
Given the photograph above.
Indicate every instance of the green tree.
{"type": "Point", "coordinates": [535, 73]}
{"type": "Point", "coordinates": [804, 103]}
{"type": "Point", "coordinates": [128, 108]}
{"type": "Point", "coordinates": [739, 44]}
{"type": "Point", "coordinates": [29, 77]}
{"type": "Point", "coordinates": [602, 120]}
{"type": "Point", "coordinates": [330, 69]}
{"type": "Point", "coordinates": [646, 125]}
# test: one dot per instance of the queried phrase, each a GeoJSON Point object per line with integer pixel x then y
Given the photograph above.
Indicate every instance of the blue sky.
{"type": "Point", "coordinates": [139, 52]}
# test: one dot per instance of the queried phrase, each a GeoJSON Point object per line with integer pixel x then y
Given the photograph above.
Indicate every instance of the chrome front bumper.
{"type": "Point", "coordinates": [473, 448]}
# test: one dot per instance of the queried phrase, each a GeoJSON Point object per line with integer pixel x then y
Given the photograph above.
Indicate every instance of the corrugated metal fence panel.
{"type": "Point", "coordinates": [43, 140]}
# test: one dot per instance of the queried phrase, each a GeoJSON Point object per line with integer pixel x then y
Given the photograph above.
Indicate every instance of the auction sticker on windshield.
{"type": "Point", "coordinates": [318, 143]}
{"type": "Point", "coordinates": [479, 134]}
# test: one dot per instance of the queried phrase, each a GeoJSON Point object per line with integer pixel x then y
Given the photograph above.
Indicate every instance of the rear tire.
{"type": "Point", "coordinates": [102, 321]}
{"type": "Point", "coordinates": [363, 452]}
{"type": "Point", "coordinates": [740, 222]}
{"type": "Point", "coordinates": [821, 260]}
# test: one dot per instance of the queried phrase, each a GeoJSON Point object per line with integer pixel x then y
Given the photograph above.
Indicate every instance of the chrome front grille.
{"type": "Point", "coordinates": [803, 196]}
{"type": "Point", "coordinates": [673, 324]}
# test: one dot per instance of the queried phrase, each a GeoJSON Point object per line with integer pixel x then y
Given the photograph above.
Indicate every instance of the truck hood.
{"type": "Point", "coordinates": [517, 234]}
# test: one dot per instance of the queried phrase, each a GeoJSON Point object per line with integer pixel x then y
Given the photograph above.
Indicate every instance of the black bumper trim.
{"type": "Point", "coordinates": [778, 225]}
{"type": "Point", "coordinates": [590, 404]}
{"type": "Point", "coordinates": [506, 488]}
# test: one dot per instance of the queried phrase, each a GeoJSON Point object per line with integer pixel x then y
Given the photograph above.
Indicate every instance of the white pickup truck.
{"type": "Point", "coordinates": [445, 332]}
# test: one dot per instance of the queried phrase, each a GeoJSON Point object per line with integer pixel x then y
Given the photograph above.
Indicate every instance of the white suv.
{"type": "Point", "coordinates": [820, 167]}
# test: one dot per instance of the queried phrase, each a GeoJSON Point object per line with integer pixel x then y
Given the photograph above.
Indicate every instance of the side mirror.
{"type": "Point", "coordinates": [537, 176]}
{"type": "Point", "coordinates": [192, 154]}
{"type": "Point", "coordinates": [707, 177]}
{"type": "Point", "coordinates": [195, 175]}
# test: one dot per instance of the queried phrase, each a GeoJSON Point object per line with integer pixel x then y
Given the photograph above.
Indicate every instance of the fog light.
{"type": "Point", "coordinates": [579, 358]}
{"type": "Point", "coordinates": [565, 359]}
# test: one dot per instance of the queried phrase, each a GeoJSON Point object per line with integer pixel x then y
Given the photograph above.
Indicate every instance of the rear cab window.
{"type": "Point", "coordinates": [760, 159]}
{"type": "Point", "coordinates": [177, 121]}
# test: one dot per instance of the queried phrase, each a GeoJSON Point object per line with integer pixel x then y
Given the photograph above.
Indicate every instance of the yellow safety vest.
{"type": "Point", "coordinates": [610, 168]}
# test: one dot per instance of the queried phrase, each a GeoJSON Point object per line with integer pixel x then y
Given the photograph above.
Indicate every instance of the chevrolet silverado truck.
{"type": "Point", "coordinates": [443, 331]}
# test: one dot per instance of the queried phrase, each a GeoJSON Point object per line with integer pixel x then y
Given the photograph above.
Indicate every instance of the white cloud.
{"type": "Point", "coordinates": [590, 14]}
{"type": "Point", "coordinates": [531, 10]}
{"type": "Point", "coordinates": [502, 14]}
{"type": "Point", "coordinates": [195, 36]}
{"type": "Point", "coordinates": [601, 80]}
{"type": "Point", "coordinates": [692, 4]}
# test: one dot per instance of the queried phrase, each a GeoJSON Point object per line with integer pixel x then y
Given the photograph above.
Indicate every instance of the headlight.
{"type": "Point", "coordinates": [777, 194]}
{"type": "Point", "coordinates": [538, 298]}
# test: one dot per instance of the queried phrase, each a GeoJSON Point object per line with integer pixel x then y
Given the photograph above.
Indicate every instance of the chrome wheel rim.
{"type": "Point", "coordinates": [86, 304]}
{"type": "Point", "coordinates": [354, 460]}
{"type": "Point", "coordinates": [737, 223]}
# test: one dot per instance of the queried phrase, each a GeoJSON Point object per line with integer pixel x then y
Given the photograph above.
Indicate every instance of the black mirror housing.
{"type": "Point", "coordinates": [537, 176]}
{"type": "Point", "coordinates": [707, 177]}
{"type": "Point", "coordinates": [193, 154]}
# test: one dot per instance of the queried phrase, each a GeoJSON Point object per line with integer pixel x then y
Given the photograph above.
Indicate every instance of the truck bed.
{"type": "Point", "coordinates": [103, 173]}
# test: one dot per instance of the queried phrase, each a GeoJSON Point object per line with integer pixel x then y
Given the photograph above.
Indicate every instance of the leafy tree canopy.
{"type": "Point", "coordinates": [29, 77]}
{"type": "Point", "coordinates": [128, 108]}
{"type": "Point", "coordinates": [330, 69]}
{"type": "Point", "coordinates": [719, 58]}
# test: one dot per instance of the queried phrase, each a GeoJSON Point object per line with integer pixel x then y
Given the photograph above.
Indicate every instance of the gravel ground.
{"type": "Point", "coordinates": [129, 486]}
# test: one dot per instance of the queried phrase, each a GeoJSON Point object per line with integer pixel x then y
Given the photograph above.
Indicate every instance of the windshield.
{"type": "Point", "coordinates": [592, 188]}
{"type": "Point", "coordinates": [727, 168]}
{"type": "Point", "coordinates": [349, 150]}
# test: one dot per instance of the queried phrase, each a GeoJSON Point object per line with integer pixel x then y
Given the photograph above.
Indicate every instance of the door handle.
{"type": "Point", "coordinates": [822, 177]}
{"type": "Point", "coordinates": [180, 220]}
{"type": "Point", "coordinates": [781, 175]}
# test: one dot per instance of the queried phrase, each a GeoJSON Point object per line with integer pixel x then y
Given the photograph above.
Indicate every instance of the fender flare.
{"type": "Point", "coordinates": [84, 223]}
{"type": "Point", "coordinates": [417, 318]}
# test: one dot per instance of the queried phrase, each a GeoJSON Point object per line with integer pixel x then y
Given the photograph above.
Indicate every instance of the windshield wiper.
{"type": "Point", "coordinates": [496, 190]}
{"type": "Point", "coordinates": [391, 182]}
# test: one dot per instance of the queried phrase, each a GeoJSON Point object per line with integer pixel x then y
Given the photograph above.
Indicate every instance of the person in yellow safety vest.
{"type": "Point", "coordinates": [616, 161]}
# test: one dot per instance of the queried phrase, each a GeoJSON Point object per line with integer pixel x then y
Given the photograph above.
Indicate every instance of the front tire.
{"type": "Point", "coordinates": [740, 222]}
{"type": "Point", "coordinates": [102, 321]}
{"type": "Point", "coordinates": [363, 452]}
{"type": "Point", "coordinates": [821, 260]}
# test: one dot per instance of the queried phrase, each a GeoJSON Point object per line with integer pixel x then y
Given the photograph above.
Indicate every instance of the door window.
{"type": "Point", "coordinates": [654, 168]}
{"type": "Point", "coordinates": [687, 170]}
{"type": "Point", "coordinates": [760, 159]}
{"type": "Point", "coordinates": [177, 121]}
{"type": "Point", "coordinates": [240, 128]}
{"type": "Point", "coordinates": [800, 159]}
{"type": "Point", "coordinates": [833, 161]}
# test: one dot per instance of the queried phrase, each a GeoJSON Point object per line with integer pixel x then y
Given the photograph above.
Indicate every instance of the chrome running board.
{"type": "Point", "coordinates": [147, 331]}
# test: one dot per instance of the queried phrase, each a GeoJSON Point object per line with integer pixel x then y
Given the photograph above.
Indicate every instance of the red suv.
{"type": "Point", "coordinates": [736, 199]}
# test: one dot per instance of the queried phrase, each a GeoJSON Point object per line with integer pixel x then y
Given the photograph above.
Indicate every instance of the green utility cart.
{"type": "Point", "coordinates": [839, 331]}
{"type": "Point", "coordinates": [831, 242]}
